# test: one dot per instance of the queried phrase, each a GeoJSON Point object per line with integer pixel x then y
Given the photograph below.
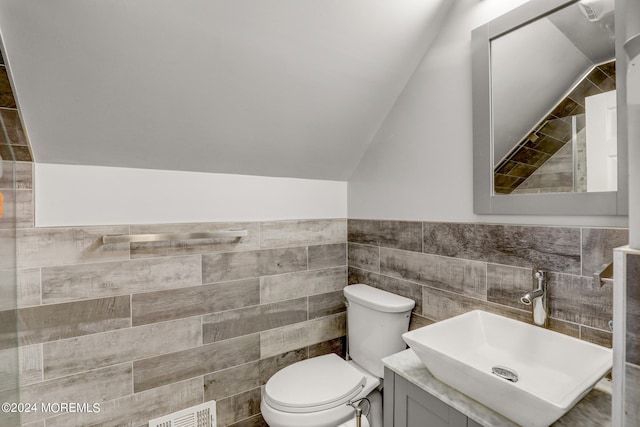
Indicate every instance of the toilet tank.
{"type": "Point", "coordinates": [376, 320]}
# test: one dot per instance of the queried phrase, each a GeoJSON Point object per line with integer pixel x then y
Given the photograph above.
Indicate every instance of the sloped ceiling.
{"type": "Point", "coordinates": [294, 88]}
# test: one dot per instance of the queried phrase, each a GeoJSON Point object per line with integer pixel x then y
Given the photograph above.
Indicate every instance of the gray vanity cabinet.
{"type": "Point", "coordinates": [406, 405]}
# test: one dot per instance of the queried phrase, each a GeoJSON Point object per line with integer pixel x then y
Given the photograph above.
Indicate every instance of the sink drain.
{"type": "Point", "coordinates": [506, 373]}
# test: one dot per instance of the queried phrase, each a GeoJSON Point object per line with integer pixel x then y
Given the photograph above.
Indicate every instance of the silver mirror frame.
{"type": "Point", "coordinates": [484, 200]}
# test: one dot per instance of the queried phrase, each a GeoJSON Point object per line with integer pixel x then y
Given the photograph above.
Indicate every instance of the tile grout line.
{"type": "Point", "coordinates": [40, 271]}
{"type": "Point", "coordinates": [581, 251]}
{"type": "Point", "coordinates": [41, 362]}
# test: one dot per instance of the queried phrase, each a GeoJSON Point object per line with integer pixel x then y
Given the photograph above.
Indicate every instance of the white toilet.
{"type": "Point", "coordinates": [315, 392]}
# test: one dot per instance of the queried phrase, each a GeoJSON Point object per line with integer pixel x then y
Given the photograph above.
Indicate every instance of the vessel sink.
{"type": "Point", "coordinates": [526, 373]}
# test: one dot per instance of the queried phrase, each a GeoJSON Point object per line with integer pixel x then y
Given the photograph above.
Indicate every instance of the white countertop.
{"type": "Point", "coordinates": [592, 411]}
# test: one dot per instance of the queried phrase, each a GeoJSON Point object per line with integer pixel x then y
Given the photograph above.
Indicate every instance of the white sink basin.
{"type": "Point", "coordinates": [554, 371]}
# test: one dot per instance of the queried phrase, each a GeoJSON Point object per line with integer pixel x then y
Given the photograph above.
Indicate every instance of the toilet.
{"type": "Point", "coordinates": [316, 392]}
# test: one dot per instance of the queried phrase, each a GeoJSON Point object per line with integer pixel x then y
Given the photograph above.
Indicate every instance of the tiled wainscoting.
{"type": "Point", "coordinates": [146, 329]}
{"type": "Point", "coordinates": [451, 268]}
{"type": "Point", "coordinates": [632, 356]}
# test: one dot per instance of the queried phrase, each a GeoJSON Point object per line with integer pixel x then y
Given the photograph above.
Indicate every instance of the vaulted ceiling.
{"type": "Point", "coordinates": [294, 88]}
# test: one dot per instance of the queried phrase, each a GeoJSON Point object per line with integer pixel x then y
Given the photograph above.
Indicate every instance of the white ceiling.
{"type": "Point", "coordinates": [293, 88]}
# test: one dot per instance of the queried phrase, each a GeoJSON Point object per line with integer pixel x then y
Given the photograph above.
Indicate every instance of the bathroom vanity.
{"type": "Point", "coordinates": [414, 398]}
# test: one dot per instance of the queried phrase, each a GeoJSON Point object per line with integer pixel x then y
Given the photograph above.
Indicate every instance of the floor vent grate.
{"type": "Point", "coordinates": [203, 415]}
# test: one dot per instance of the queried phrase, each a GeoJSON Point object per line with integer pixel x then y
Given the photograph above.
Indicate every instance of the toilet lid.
{"type": "Point", "coordinates": [314, 384]}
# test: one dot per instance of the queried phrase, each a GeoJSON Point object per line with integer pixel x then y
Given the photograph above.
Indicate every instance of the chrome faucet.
{"type": "Point", "coordinates": [538, 297]}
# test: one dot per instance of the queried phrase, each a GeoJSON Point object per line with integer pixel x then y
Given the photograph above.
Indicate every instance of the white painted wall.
{"type": "Point", "coordinates": [524, 89]}
{"type": "Point", "coordinates": [419, 166]}
{"type": "Point", "coordinates": [67, 195]}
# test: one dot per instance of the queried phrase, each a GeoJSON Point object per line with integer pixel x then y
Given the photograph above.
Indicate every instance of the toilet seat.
{"type": "Point", "coordinates": [315, 384]}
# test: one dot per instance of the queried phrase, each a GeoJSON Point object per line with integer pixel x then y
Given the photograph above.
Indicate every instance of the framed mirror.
{"type": "Point", "coordinates": [547, 107]}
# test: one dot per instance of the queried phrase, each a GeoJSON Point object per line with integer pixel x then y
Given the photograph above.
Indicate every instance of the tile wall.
{"type": "Point", "coordinates": [632, 369]}
{"type": "Point", "coordinates": [150, 328]}
{"type": "Point", "coordinates": [548, 137]}
{"type": "Point", "coordinates": [15, 139]}
{"type": "Point", "coordinates": [451, 268]}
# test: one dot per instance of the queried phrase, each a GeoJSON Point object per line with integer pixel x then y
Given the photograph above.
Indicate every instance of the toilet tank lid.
{"type": "Point", "coordinates": [378, 299]}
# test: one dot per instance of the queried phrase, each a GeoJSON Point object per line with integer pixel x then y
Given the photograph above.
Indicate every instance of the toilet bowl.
{"type": "Point", "coordinates": [316, 392]}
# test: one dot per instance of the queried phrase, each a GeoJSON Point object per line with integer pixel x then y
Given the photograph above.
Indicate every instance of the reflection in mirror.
{"type": "Point", "coordinates": [553, 100]}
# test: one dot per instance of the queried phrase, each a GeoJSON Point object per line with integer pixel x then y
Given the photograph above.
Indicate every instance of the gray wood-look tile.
{"type": "Point", "coordinates": [18, 209]}
{"type": "Point", "coordinates": [299, 335]}
{"type": "Point", "coordinates": [10, 418]}
{"type": "Point", "coordinates": [632, 394]}
{"type": "Point", "coordinates": [255, 421]}
{"type": "Point", "coordinates": [365, 257]}
{"type": "Point", "coordinates": [171, 304]}
{"type": "Point", "coordinates": [8, 336]}
{"type": "Point", "coordinates": [578, 299]}
{"type": "Point", "coordinates": [633, 308]}
{"type": "Point", "coordinates": [53, 322]}
{"type": "Point", "coordinates": [507, 284]}
{"type": "Point", "coordinates": [74, 282]}
{"type": "Point", "coordinates": [325, 256]}
{"type": "Point", "coordinates": [9, 218]}
{"type": "Point", "coordinates": [301, 284]}
{"type": "Point", "coordinates": [547, 248]}
{"type": "Point", "coordinates": [201, 246]}
{"type": "Point", "coordinates": [238, 407]}
{"type": "Point", "coordinates": [598, 245]}
{"type": "Point", "coordinates": [23, 175]}
{"type": "Point", "coordinates": [242, 265]}
{"type": "Point", "coordinates": [269, 366]}
{"type": "Point", "coordinates": [457, 275]}
{"type": "Point", "coordinates": [7, 249]}
{"type": "Point", "coordinates": [79, 354]}
{"type": "Point", "coordinates": [417, 322]}
{"type": "Point", "coordinates": [8, 290]}
{"type": "Point", "coordinates": [28, 287]}
{"type": "Point", "coordinates": [25, 212]}
{"type": "Point", "coordinates": [566, 328]}
{"type": "Point", "coordinates": [137, 409]}
{"type": "Point", "coordinates": [7, 177]}
{"type": "Point", "coordinates": [593, 410]}
{"type": "Point", "coordinates": [13, 126]}
{"type": "Point", "coordinates": [274, 234]}
{"type": "Point", "coordinates": [326, 304]}
{"type": "Point", "coordinates": [405, 235]}
{"type": "Point", "coordinates": [337, 346]}
{"type": "Point", "coordinates": [232, 381]}
{"type": "Point", "coordinates": [30, 360]}
{"type": "Point", "coordinates": [25, 362]}
{"type": "Point", "coordinates": [21, 287]}
{"type": "Point", "coordinates": [43, 247]}
{"type": "Point", "coordinates": [13, 419]}
{"type": "Point", "coordinates": [249, 320]}
{"type": "Point", "coordinates": [396, 286]}
{"type": "Point", "coordinates": [439, 305]}
{"type": "Point", "coordinates": [95, 386]}
{"type": "Point", "coordinates": [596, 336]}
{"type": "Point", "coordinates": [173, 367]}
